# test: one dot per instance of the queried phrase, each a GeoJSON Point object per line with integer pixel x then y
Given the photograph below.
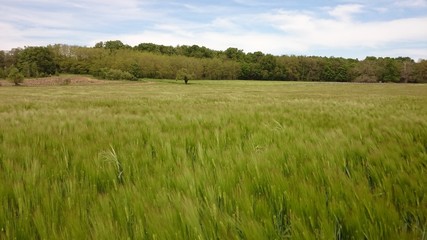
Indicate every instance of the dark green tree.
{"type": "Point", "coordinates": [148, 47]}
{"type": "Point", "coordinates": [11, 57]}
{"type": "Point", "coordinates": [99, 45]}
{"type": "Point", "coordinates": [335, 70]}
{"type": "Point", "coordinates": [2, 59]}
{"type": "Point", "coordinates": [35, 61]}
{"type": "Point", "coordinates": [365, 71]}
{"type": "Point", "coordinates": [389, 70]}
{"type": "Point", "coordinates": [2, 73]}
{"type": "Point", "coordinates": [234, 54]}
{"type": "Point", "coordinates": [420, 72]}
{"type": "Point", "coordinates": [115, 45]}
{"type": "Point", "coordinates": [183, 74]}
{"type": "Point", "coordinates": [15, 76]}
{"type": "Point", "coordinates": [268, 65]}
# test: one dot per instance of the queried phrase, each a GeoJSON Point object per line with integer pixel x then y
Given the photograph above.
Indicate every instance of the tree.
{"type": "Point", "coordinates": [183, 74]}
{"type": "Point", "coordinates": [366, 71]}
{"type": "Point", "coordinates": [335, 70]}
{"type": "Point", "coordinates": [99, 45]}
{"type": "Point", "coordinates": [2, 73]}
{"type": "Point", "coordinates": [35, 61]}
{"type": "Point", "coordinates": [11, 57]}
{"type": "Point", "coordinates": [15, 76]}
{"type": "Point", "coordinates": [268, 65]}
{"type": "Point", "coordinates": [234, 54]}
{"type": "Point", "coordinates": [389, 71]}
{"type": "Point", "coordinates": [114, 45]}
{"type": "Point", "coordinates": [2, 59]}
{"type": "Point", "coordinates": [420, 71]}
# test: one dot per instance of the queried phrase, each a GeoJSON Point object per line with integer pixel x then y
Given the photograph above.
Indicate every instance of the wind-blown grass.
{"type": "Point", "coordinates": [214, 160]}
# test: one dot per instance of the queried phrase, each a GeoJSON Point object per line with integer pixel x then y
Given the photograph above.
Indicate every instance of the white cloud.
{"type": "Point", "coordinates": [249, 41]}
{"type": "Point", "coordinates": [319, 29]}
{"type": "Point", "coordinates": [415, 53]}
{"type": "Point", "coordinates": [299, 33]}
{"type": "Point", "coordinates": [345, 12]}
{"type": "Point", "coordinates": [411, 3]}
{"type": "Point", "coordinates": [313, 30]}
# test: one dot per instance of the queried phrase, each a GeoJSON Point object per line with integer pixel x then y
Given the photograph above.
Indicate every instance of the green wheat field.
{"type": "Point", "coordinates": [214, 160]}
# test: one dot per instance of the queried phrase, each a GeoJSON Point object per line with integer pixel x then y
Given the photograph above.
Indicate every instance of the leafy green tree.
{"type": "Point", "coordinates": [167, 50]}
{"type": "Point", "coordinates": [366, 71]}
{"type": "Point", "coordinates": [250, 71]}
{"type": "Point", "coordinates": [11, 57]}
{"type": "Point", "coordinates": [335, 70]}
{"type": "Point", "coordinates": [268, 65]}
{"type": "Point", "coordinates": [136, 70]}
{"type": "Point", "coordinates": [2, 73]}
{"type": "Point", "coordinates": [35, 61]}
{"type": "Point", "coordinates": [405, 67]}
{"type": "Point", "coordinates": [288, 65]}
{"type": "Point", "coordinates": [2, 59]}
{"type": "Point", "coordinates": [183, 74]}
{"type": "Point", "coordinates": [99, 45]}
{"type": "Point", "coordinates": [15, 76]}
{"type": "Point", "coordinates": [307, 68]}
{"type": "Point", "coordinates": [389, 71]}
{"type": "Point", "coordinates": [234, 54]}
{"type": "Point", "coordinates": [115, 45]}
{"type": "Point", "coordinates": [148, 47]}
{"type": "Point", "coordinates": [195, 51]}
{"type": "Point", "coordinates": [420, 71]}
{"type": "Point", "coordinates": [114, 74]}
{"type": "Point", "coordinates": [158, 61]}
{"type": "Point", "coordinates": [258, 66]}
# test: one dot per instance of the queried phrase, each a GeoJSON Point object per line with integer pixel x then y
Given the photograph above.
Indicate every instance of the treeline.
{"type": "Point", "coordinates": [115, 60]}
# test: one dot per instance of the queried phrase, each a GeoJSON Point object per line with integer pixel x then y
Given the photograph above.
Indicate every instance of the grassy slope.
{"type": "Point", "coordinates": [214, 159]}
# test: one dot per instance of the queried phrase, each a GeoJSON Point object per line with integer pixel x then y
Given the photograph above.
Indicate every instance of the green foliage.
{"type": "Point", "coordinates": [219, 160]}
{"type": "Point", "coordinates": [184, 75]}
{"type": "Point", "coordinates": [2, 59]}
{"type": "Point", "coordinates": [389, 71]}
{"type": "Point", "coordinates": [99, 45]}
{"type": "Point", "coordinates": [366, 71]}
{"type": "Point", "coordinates": [421, 72]}
{"type": "Point", "coordinates": [114, 74]}
{"type": "Point", "coordinates": [36, 61]}
{"type": "Point", "coordinates": [11, 57]}
{"type": "Point", "coordinates": [149, 60]}
{"type": "Point", "coordinates": [114, 45]}
{"type": "Point", "coordinates": [15, 76]}
{"type": "Point", "coordinates": [2, 73]}
{"type": "Point", "coordinates": [335, 70]}
{"type": "Point", "coordinates": [234, 54]}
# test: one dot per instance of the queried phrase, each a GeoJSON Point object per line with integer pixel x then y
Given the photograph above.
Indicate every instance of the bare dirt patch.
{"type": "Point", "coordinates": [58, 80]}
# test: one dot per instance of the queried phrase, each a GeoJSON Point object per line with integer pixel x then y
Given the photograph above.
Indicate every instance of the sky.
{"type": "Point", "coordinates": [345, 28]}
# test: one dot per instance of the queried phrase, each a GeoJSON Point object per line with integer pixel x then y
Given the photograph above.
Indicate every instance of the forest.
{"type": "Point", "coordinates": [115, 60]}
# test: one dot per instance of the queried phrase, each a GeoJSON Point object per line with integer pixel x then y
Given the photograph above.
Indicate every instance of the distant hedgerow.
{"type": "Point", "coordinates": [114, 74]}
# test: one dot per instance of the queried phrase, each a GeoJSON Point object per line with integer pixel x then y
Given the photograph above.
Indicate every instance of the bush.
{"type": "Point", "coordinates": [114, 74]}
{"type": "Point", "coordinates": [15, 76]}
{"type": "Point", "coordinates": [183, 74]}
{"type": "Point", "coordinates": [2, 73]}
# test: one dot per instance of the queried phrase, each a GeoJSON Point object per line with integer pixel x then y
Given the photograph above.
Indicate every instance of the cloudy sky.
{"type": "Point", "coordinates": [344, 28]}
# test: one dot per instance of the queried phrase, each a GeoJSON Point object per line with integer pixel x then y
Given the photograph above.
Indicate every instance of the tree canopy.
{"type": "Point", "coordinates": [15, 76]}
{"type": "Point", "coordinates": [116, 60]}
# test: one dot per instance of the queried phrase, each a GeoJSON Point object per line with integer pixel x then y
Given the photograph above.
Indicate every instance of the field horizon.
{"type": "Point", "coordinates": [228, 159]}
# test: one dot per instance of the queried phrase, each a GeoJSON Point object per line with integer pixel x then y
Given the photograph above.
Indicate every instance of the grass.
{"type": "Point", "coordinates": [214, 160]}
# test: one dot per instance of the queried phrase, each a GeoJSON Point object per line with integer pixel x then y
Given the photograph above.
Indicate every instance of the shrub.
{"type": "Point", "coordinates": [2, 73]}
{"type": "Point", "coordinates": [183, 74]}
{"type": "Point", "coordinates": [15, 76]}
{"type": "Point", "coordinates": [114, 74]}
